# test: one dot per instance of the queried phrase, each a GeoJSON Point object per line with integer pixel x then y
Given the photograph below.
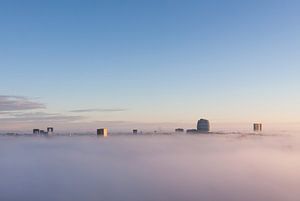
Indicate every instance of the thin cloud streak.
{"type": "Point", "coordinates": [40, 117]}
{"type": "Point", "coordinates": [99, 110]}
{"type": "Point", "coordinates": [18, 103]}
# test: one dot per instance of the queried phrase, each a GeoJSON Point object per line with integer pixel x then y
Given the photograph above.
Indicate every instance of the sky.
{"type": "Point", "coordinates": [79, 65]}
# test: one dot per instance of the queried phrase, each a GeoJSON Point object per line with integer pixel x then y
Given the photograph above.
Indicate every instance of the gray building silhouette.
{"type": "Point", "coordinates": [50, 130]}
{"type": "Point", "coordinates": [203, 126]}
{"type": "Point", "coordinates": [179, 130]}
{"type": "Point", "coordinates": [191, 131]}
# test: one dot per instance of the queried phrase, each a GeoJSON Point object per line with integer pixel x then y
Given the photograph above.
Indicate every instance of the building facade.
{"type": "Point", "coordinates": [257, 127]}
{"type": "Point", "coordinates": [203, 126]}
{"type": "Point", "coordinates": [102, 132]}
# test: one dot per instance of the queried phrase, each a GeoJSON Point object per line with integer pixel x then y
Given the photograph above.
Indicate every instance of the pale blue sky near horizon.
{"type": "Point", "coordinates": [151, 61]}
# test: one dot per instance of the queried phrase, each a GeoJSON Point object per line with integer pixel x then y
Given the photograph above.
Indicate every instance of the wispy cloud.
{"type": "Point", "coordinates": [39, 117]}
{"type": "Point", "coordinates": [22, 112]}
{"type": "Point", "coordinates": [18, 103]}
{"type": "Point", "coordinates": [20, 121]}
{"type": "Point", "coordinates": [99, 110]}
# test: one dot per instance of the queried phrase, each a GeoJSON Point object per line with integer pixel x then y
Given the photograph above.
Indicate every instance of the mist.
{"type": "Point", "coordinates": [150, 167]}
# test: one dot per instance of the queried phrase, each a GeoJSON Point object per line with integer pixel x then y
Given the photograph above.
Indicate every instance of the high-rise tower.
{"type": "Point", "coordinates": [203, 126]}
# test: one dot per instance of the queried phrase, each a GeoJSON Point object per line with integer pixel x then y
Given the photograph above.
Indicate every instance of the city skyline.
{"type": "Point", "coordinates": [139, 64]}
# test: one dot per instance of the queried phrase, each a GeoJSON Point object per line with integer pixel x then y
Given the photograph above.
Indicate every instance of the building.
{"type": "Point", "coordinates": [50, 130]}
{"type": "Point", "coordinates": [192, 131]}
{"type": "Point", "coordinates": [102, 132]}
{"type": "Point", "coordinates": [179, 130]}
{"type": "Point", "coordinates": [135, 131]}
{"type": "Point", "coordinates": [203, 126]}
{"type": "Point", "coordinates": [257, 127]}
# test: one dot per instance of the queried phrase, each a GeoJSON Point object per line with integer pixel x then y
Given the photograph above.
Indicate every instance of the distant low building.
{"type": "Point", "coordinates": [102, 132]}
{"type": "Point", "coordinates": [179, 130]}
{"type": "Point", "coordinates": [203, 126]}
{"type": "Point", "coordinates": [257, 127]}
{"type": "Point", "coordinates": [50, 130]}
{"type": "Point", "coordinates": [192, 131]}
{"type": "Point", "coordinates": [134, 131]}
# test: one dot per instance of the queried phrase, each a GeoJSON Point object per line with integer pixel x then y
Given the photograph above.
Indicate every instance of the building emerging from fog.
{"type": "Point", "coordinates": [257, 127]}
{"type": "Point", "coordinates": [50, 130]}
{"type": "Point", "coordinates": [203, 126]}
{"type": "Point", "coordinates": [192, 131]}
{"type": "Point", "coordinates": [102, 132]}
{"type": "Point", "coordinates": [179, 130]}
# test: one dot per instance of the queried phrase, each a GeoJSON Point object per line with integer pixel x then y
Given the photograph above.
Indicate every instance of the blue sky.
{"type": "Point", "coordinates": [148, 62]}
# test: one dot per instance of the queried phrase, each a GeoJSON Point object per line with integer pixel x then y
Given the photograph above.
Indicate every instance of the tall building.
{"type": "Point", "coordinates": [203, 126]}
{"type": "Point", "coordinates": [102, 132]}
{"type": "Point", "coordinates": [257, 127]}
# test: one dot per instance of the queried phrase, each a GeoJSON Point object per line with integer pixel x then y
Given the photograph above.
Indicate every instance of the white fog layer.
{"type": "Point", "coordinates": [148, 168]}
